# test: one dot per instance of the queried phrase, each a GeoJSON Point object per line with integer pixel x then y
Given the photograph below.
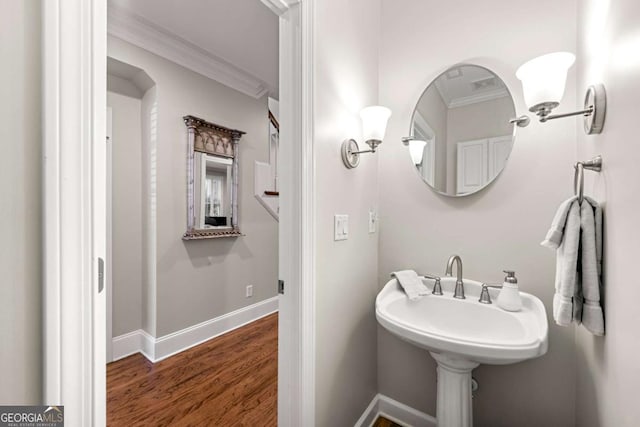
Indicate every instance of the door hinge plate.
{"type": "Point", "coordinates": [100, 275]}
{"type": "Point", "coordinates": [281, 286]}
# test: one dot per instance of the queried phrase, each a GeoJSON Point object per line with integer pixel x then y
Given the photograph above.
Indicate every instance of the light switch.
{"type": "Point", "coordinates": [341, 227]}
{"type": "Point", "coordinates": [373, 220]}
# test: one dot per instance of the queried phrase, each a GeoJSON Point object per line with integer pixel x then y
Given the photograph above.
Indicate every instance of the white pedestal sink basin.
{"type": "Point", "coordinates": [460, 334]}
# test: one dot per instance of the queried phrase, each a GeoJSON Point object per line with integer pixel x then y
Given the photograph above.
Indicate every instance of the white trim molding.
{"type": "Point", "coordinates": [143, 33]}
{"type": "Point", "coordinates": [475, 99]}
{"type": "Point", "coordinates": [74, 113]}
{"type": "Point", "coordinates": [297, 351]}
{"type": "Point", "coordinates": [395, 411]}
{"type": "Point", "coordinates": [279, 7]}
{"type": "Point", "coordinates": [157, 349]}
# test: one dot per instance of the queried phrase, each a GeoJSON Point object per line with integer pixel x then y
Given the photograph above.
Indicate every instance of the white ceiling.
{"type": "Point", "coordinates": [464, 85]}
{"type": "Point", "coordinates": [241, 32]}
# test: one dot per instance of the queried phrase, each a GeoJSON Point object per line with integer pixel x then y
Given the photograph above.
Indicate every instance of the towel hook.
{"type": "Point", "coordinates": [595, 164]}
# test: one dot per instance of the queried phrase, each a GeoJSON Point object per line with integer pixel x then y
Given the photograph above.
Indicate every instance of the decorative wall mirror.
{"type": "Point", "coordinates": [461, 137]}
{"type": "Point", "coordinates": [212, 180]}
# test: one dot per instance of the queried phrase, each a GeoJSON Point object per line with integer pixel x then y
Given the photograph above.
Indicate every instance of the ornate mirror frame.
{"type": "Point", "coordinates": [212, 139]}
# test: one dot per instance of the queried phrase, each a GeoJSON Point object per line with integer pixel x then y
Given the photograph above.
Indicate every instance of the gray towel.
{"type": "Point", "coordinates": [411, 283]}
{"type": "Point", "coordinates": [576, 233]}
{"type": "Point", "coordinates": [554, 235]}
{"type": "Point", "coordinates": [564, 310]}
{"type": "Point", "coordinates": [591, 260]}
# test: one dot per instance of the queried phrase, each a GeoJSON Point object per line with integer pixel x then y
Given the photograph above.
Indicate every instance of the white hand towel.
{"type": "Point", "coordinates": [576, 234]}
{"type": "Point", "coordinates": [411, 283]}
{"type": "Point", "coordinates": [554, 235]}
{"type": "Point", "coordinates": [564, 309]}
{"type": "Point", "coordinates": [590, 260]}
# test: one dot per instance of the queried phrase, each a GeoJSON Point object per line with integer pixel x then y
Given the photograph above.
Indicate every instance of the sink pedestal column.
{"type": "Point", "coordinates": [453, 404]}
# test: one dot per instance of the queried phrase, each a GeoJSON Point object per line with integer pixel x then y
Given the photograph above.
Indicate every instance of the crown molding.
{"type": "Point", "coordinates": [474, 99]}
{"type": "Point", "coordinates": [279, 7]}
{"type": "Point", "coordinates": [143, 33]}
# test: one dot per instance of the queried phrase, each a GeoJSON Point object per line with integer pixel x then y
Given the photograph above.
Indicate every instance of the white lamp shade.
{"type": "Point", "coordinates": [544, 78]}
{"type": "Point", "coordinates": [416, 149]}
{"type": "Point", "coordinates": [374, 122]}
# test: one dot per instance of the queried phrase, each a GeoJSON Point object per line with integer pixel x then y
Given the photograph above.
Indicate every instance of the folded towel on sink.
{"type": "Point", "coordinates": [411, 283]}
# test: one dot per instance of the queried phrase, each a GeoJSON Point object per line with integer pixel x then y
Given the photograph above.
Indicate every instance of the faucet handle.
{"type": "Point", "coordinates": [437, 287]}
{"type": "Point", "coordinates": [485, 297]}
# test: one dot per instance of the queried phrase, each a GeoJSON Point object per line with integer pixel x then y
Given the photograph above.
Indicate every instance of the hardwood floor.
{"type": "Point", "coordinates": [230, 380]}
{"type": "Point", "coordinates": [383, 422]}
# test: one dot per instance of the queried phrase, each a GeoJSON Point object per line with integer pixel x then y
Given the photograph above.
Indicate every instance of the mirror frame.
{"type": "Point", "coordinates": [415, 109]}
{"type": "Point", "coordinates": [199, 133]}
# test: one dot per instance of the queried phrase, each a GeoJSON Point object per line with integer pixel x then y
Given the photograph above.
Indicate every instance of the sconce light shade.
{"type": "Point", "coordinates": [416, 149]}
{"type": "Point", "coordinates": [543, 80]}
{"type": "Point", "coordinates": [374, 124]}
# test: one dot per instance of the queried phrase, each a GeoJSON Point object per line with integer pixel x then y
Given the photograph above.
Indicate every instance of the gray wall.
{"type": "Point", "coordinates": [127, 201]}
{"type": "Point", "coordinates": [200, 280]}
{"type": "Point", "coordinates": [149, 121]}
{"type": "Point", "coordinates": [346, 80]}
{"type": "Point", "coordinates": [500, 227]}
{"type": "Point", "coordinates": [608, 372]}
{"type": "Point", "coordinates": [21, 207]}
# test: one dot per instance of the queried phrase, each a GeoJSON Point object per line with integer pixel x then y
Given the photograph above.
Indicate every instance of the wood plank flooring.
{"type": "Point", "coordinates": [383, 422]}
{"type": "Point", "coordinates": [228, 381]}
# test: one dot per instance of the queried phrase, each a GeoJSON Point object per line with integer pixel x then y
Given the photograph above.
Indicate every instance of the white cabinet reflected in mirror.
{"type": "Point", "coordinates": [212, 180]}
{"type": "Point", "coordinates": [215, 191]}
{"type": "Point", "coordinates": [461, 137]}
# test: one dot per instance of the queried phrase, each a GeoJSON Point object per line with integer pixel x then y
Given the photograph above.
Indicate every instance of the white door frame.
{"type": "Point", "coordinates": [74, 133]}
{"type": "Point", "coordinates": [74, 114]}
{"type": "Point", "coordinates": [109, 236]}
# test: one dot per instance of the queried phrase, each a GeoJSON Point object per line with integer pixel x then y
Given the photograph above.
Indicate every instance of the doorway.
{"type": "Point", "coordinates": [75, 305]}
{"type": "Point", "coordinates": [171, 294]}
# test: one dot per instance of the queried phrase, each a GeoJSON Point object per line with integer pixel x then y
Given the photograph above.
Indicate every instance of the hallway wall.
{"type": "Point", "coordinates": [127, 204]}
{"type": "Point", "coordinates": [199, 280]}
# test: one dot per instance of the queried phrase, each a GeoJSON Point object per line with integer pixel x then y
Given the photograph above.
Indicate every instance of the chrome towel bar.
{"type": "Point", "coordinates": [595, 164]}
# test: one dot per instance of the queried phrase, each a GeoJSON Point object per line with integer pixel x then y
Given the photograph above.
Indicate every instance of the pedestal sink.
{"type": "Point", "coordinates": [460, 334]}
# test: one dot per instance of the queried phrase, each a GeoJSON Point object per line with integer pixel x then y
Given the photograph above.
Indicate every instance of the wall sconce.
{"type": "Point", "coordinates": [543, 81]}
{"type": "Point", "coordinates": [416, 148]}
{"type": "Point", "coordinates": [374, 124]}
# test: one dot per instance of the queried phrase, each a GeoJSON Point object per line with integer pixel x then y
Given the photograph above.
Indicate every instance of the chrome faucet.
{"type": "Point", "coordinates": [459, 291]}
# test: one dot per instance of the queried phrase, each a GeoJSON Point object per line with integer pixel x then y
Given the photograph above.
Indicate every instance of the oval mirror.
{"type": "Point", "coordinates": [461, 137]}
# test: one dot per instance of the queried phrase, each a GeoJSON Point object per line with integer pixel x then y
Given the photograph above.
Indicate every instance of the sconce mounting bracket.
{"type": "Point", "coordinates": [350, 153]}
{"type": "Point", "coordinates": [596, 98]}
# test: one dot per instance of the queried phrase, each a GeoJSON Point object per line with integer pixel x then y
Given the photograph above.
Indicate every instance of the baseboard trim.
{"type": "Point", "coordinates": [126, 344]}
{"type": "Point", "coordinates": [395, 411]}
{"type": "Point", "coordinates": [157, 349]}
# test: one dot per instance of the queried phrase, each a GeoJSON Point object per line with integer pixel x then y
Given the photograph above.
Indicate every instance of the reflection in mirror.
{"type": "Point", "coordinates": [212, 180]}
{"type": "Point", "coordinates": [215, 193]}
{"type": "Point", "coordinates": [461, 137]}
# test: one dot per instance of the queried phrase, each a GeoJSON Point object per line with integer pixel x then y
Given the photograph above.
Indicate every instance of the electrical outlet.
{"type": "Point", "coordinates": [249, 291]}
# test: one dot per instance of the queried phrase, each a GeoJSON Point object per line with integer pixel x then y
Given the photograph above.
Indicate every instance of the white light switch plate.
{"type": "Point", "coordinates": [373, 221]}
{"type": "Point", "coordinates": [341, 227]}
